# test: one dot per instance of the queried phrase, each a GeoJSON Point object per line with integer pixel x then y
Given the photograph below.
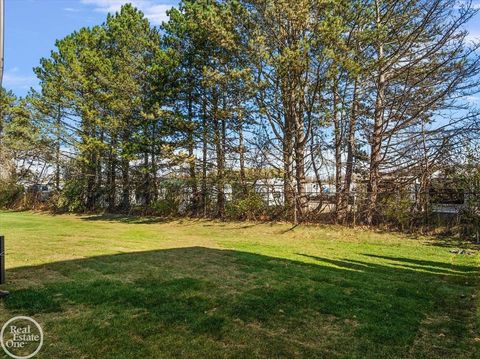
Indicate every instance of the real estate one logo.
{"type": "Point", "coordinates": [21, 337]}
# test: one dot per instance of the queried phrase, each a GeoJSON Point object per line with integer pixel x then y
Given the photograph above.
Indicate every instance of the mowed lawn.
{"type": "Point", "coordinates": [112, 287]}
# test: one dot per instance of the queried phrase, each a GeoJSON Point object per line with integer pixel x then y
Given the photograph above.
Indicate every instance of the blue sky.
{"type": "Point", "coordinates": [32, 26]}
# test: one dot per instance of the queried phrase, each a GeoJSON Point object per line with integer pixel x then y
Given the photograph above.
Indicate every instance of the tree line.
{"type": "Point", "coordinates": [360, 97]}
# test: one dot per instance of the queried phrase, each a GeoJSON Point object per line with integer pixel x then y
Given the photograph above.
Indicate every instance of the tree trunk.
{"type": "Point", "coordinates": [301, 198]}
{"type": "Point", "coordinates": [125, 185]}
{"type": "Point", "coordinates": [204, 158]}
{"type": "Point", "coordinates": [191, 154]}
{"type": "Point", "coordinates": [345, 198]}
{"type": "Point", "coordinates": [288, 186]}
{"type": "Point", "coordinates": [112, 163]}
{"type": "Point", "coordinates": [147, 199]}
{"type": "Point", "coordinates": [154, 162]}
{"type": "Point", "coordinates": [58, 143]}
{"type": "Point", "coordinates": [338, 152]}
{"type": "Point", "coordinates": [125, 164]}
{"type": "Point", "coordinates": [219, 132]}
{"type": "Point", "coordinates": [90, 174]}
{"type": "Point", "coordinates": [241, 150]}
{"type": "Point", "coordinates": [91, 177]}
{"type": "Point", "coordinates": [98, 173]}
{"type": "Point", "coordinates": [376, 140]}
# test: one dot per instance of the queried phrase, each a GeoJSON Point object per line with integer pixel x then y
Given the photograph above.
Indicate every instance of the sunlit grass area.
{"type": "Point", "coordinates": [122, 287]}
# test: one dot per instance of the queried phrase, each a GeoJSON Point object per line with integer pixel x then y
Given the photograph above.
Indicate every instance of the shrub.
{"type": "Point", "coordinates": [398, 210]}
{"type": "Point", "coordinates": [71, 197]}
{"type": "Point", "coordinates": [10, 194]}
{"type": "Point", "coordinates": [251, 207]}
{"type": "Point", "coordinates": [165, 207]}
{"type": "Point", "coordinates": [469, 180]}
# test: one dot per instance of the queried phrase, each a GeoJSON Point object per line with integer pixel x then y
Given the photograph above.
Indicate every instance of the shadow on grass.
{"type": "Point", "coordinates": [454, 243]}
{"type": "Point", "coordinates": [221, 303]}
{"type": "Point", "coordinates": [122, 218]}
{"type": "Point", "coordinates": [433, 265]}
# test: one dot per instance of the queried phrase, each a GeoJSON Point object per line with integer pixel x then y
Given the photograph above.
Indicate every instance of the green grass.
{"type": "Point", "coordinates": [113, 287]}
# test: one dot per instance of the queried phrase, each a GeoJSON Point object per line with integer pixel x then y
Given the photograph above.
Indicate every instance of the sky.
{"type": "Point", "coordinates": [32, 26]}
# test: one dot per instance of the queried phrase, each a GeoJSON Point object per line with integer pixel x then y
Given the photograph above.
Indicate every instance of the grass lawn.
{"type": "Point", "coordinates": [110, 287]}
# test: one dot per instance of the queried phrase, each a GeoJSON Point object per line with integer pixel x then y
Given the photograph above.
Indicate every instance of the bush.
{"type": "Point", "coordinates": [398, 210]}
{"type": "Point", "coordinates": [469, 180]}
{"type": "Point", "coordinates": [10, 194]}
{"type": "Point", "coordinates": [470, 217]}
{"type": "Point", "coordinates": [251, 207]}
{"type": "Point", "coordinates": [71, 197]}
{"type": "Point", "coordinates": [165, 207]}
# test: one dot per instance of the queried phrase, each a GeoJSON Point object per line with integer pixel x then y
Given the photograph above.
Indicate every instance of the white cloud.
{"type": "Point", "coordinates": [13, 79]}
{"type": "Point", "coordinates": [153, 10]}
{"type": "Point", "coordinates": [71, 9]}
{"type": "Point", "coordinates": [476, 4]}
{"type": "Point", "coordinates": [157, 13]}
{"type": "Point", "coordinates": [473, 99]}
{"type": "Point", "coordinates": [473, 36]}
{"type": "Point", "coordinates": [473, 5]}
